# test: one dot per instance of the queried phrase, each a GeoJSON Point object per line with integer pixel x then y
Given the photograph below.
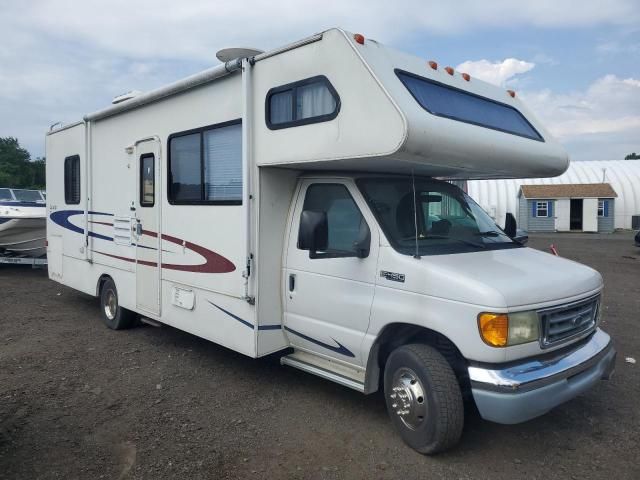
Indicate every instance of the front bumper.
{"type": "Point", "coordinates": [521, 391]}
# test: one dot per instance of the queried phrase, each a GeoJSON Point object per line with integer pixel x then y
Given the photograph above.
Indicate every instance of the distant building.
{"type": "Point", "coordinates": [587, 207]}
{"type": "Point", "coordinates": [620, 178]}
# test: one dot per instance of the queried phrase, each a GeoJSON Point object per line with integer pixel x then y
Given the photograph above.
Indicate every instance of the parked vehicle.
{"type": "Point", "coordinates": [637, 239]}
{"type": "Point", "coordinates": [22, 222]}
{"type": "Point", "coordinates": [287, 201]}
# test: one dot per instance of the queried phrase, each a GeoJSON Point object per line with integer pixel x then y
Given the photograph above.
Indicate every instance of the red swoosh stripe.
{"type": "Point", "coordinates": [214, 262]}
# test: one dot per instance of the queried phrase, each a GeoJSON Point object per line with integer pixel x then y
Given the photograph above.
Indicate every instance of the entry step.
{"type": "Point", "coordinates": [347, 376]}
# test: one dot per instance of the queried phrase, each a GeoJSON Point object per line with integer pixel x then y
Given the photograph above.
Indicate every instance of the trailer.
{"type": "Point", "coordinates": [35, 262]}
{"type": "Point", "coordinates": [292, 201]}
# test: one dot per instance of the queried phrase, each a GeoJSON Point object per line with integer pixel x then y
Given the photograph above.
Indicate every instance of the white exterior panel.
{"type": "Point", "coordinates": [562, 214]}
{"type": "Point", "coordinates": [590, 215]}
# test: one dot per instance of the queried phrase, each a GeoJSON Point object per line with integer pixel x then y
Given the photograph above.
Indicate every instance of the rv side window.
{"type": "Point", "coordinates": [147, 180]}
{"type": "Point", "coordinates": [312, 100]}
{"type": "Point", "coordinates": [72, 180]}
{"type": "Point", "coordinates": [450, 102]}
{"type": "Point", "coordinates": [205, 165]}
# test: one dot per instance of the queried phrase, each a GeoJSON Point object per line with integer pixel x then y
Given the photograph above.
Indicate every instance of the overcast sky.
{"type": "Point", "coordinates": [575, 63]}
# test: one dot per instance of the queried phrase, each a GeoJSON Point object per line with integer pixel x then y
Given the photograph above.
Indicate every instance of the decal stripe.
{"type": "Point", "coordinates": [341, 349]}
{"type": "Point", "coordinates": [214, 262]}
{"type": "Point", "coordinates": [270, 327]}
{"type": "Point", "coordinates": [244, 322]}
{"type": "Point", "coordinates": [235, 317]}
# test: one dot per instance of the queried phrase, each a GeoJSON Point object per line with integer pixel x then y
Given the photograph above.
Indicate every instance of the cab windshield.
{"type": "Point", "coordinates": [445, 220]}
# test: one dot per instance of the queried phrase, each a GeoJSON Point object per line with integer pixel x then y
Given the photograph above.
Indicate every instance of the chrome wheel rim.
{"type": "Point", "coordinates": [408, 399]}
{"type": "Point", "coordinates": [110, 304]}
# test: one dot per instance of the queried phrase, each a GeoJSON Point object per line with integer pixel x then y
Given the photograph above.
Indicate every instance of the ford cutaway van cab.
{"type": "Point", "coordinates": [295, 202]}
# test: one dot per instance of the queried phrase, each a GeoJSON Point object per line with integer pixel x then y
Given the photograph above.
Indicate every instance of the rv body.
{"type": "Point", "coordinates": [201, 205]}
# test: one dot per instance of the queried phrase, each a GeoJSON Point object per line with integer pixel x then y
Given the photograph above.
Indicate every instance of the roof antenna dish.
{"type": "Point", "coordinates": [233, 53]}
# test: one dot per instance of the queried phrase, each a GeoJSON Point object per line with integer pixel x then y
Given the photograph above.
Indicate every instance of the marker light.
{"type": "Point", "coordinates": [494, 328]}
{"type": "Point", "coordinates": [433, 64]}
{"type": "Point", "coordinates": [511, 93]}
{"type": "Point", "coordinates": [359, 38]}
{"type": "Point", "coordinates": [466, 76]}
{"type": "Point", "coordinates": [449, 70]}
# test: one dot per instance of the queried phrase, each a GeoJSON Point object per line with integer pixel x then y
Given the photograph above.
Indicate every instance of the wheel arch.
{"type": "Point", "coordinates": [395, 335]}
{"type": "Point", "coordinates": [101, 281]}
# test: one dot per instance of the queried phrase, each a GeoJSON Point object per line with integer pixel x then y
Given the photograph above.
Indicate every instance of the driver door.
{"type": "Point", "coordinates": [328, 295]}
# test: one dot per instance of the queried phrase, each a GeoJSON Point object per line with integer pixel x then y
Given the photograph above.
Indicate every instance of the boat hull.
{"type": "Point", "coordinates": [23, 236]}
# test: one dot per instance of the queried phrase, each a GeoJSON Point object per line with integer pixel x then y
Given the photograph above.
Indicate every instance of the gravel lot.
{"type": "Point", "coordinates": [81, 401]}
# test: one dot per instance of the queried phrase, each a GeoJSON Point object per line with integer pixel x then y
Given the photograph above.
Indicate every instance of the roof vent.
{"type": "Point", "coordinates": [125, 96]}
{"type": "Point", "coordinates": [233, 53]}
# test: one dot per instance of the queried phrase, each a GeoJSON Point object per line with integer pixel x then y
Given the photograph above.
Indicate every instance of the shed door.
{"type": "Point", "coordinates": [590, 215]}
{"type": "Point", "coordinates": [147, 229]}
{"type": "Point", "coordinates": [563, 215]}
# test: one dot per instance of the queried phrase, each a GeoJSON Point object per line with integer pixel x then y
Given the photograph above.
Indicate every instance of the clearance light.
{"type": "Point", "coordinates": [511, 93]}
{"type": "Point", "coordinates": [433, 64]}
{"type": "Point", "coordinates": [466, 76]}
{"type": "Point", "coordinates": [359, 38]}
{"type": "Point", "coordinates": [449, 70]}
{"type": "Point", "coordinates": [501, 329]}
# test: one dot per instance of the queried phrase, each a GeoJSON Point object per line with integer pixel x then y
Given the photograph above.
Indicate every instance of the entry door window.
{"type": "Point", "coordinates": [345, 222]}
{"type": "Point", "coordinates": [147, 180]}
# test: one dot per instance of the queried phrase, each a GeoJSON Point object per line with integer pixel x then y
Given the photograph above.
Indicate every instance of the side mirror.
{"type": "Point", "coordinates": [363, 243]}
{"type": "Point", "coordinates": [314, 232]}
{"type": "Point", "coordinates": [510, 225]}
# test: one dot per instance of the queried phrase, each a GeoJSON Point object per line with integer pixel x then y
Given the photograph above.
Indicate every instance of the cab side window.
{"type": "Point", "coordinates": [347, 230]}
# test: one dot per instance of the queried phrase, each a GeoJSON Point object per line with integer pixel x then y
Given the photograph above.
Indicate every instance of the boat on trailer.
{"type": "Point", "coordinates": [22, 222]}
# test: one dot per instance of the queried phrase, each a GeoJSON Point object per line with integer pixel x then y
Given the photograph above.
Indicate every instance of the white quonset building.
{"type": "Point", "coordinates": [501, 196]}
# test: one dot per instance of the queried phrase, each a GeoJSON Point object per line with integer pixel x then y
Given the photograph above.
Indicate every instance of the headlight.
{"type": "Point", "coordinates": [503, 330]}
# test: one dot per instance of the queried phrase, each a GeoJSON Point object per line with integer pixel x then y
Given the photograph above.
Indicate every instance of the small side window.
{"type": "Point", "coordinates": [147, 180]}
{"type": "Point", "coordinates": [312, 100]}
{"type": "Point", "coordinates": [542, 209]}
{"type": "Point", "coordinates": [72, 180]}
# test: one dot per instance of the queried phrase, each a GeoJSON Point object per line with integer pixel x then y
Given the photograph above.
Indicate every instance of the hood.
{"type": "Point", "coordinates": [507, 278]}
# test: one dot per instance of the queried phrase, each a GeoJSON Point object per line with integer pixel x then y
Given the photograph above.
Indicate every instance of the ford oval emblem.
{"type": "Point", "coordinates": [577, 320]}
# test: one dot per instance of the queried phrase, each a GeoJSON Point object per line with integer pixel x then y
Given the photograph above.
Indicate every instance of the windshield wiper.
{"type": "Point", "coordinates": [490, 233]}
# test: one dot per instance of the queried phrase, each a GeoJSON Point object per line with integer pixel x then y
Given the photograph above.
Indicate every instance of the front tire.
{"type": "Point", "coordinates": [423, 398]}
{"type": "Point", "coordinates": [113, 315]}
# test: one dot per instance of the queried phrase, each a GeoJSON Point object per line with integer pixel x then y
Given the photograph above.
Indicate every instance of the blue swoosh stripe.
{"type": "Point", "coordinates": [235, 317]}
{"type": "Point", "coordinates": [61, 217]}
{"type": "Point", "coordinates": [244, 322]}
{"type": "Point", "coordinates": [341, 349]}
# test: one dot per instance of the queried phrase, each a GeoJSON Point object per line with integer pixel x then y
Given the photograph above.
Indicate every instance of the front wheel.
{"type": "Point", "coordinates": [423, 398]}
{"type": "Point", "coordinates": [113, 315]}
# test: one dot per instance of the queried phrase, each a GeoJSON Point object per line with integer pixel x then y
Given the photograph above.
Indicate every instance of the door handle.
{"type": "Point", "coordinates": [292, 282]}
{"type": "Point", "coordinates": [139, 229]}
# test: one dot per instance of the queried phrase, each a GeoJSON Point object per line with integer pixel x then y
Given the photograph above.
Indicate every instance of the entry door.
{"type": "Point", "coordinates": [328, 299]}
{"type": "Point", "coordinates": [563, 215]}
{"type": "Point", "coordinates": [590, 215]}
{"type": "Point", "coordinates": [147, 227]}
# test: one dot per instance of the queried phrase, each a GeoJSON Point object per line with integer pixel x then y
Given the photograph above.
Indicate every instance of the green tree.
{"type": "Point", "coordinates": [16, 168]}
{"type": "Point", "coordinates": [632, 156]}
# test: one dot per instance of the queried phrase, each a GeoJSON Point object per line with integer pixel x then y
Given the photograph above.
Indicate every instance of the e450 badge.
{"type": "Point", "coordinates": [392, 276]}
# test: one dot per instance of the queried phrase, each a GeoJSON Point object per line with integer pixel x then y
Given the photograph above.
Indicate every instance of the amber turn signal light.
{"type": "Point", "coordinates": [494, 328]}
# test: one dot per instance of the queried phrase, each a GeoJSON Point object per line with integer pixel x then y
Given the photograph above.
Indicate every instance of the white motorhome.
{"type": "Point", "coordinates": [287, 202]}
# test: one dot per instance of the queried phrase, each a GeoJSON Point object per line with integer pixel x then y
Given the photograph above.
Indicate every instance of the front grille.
{"type": "Point", "coordinates": [568, 321]}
